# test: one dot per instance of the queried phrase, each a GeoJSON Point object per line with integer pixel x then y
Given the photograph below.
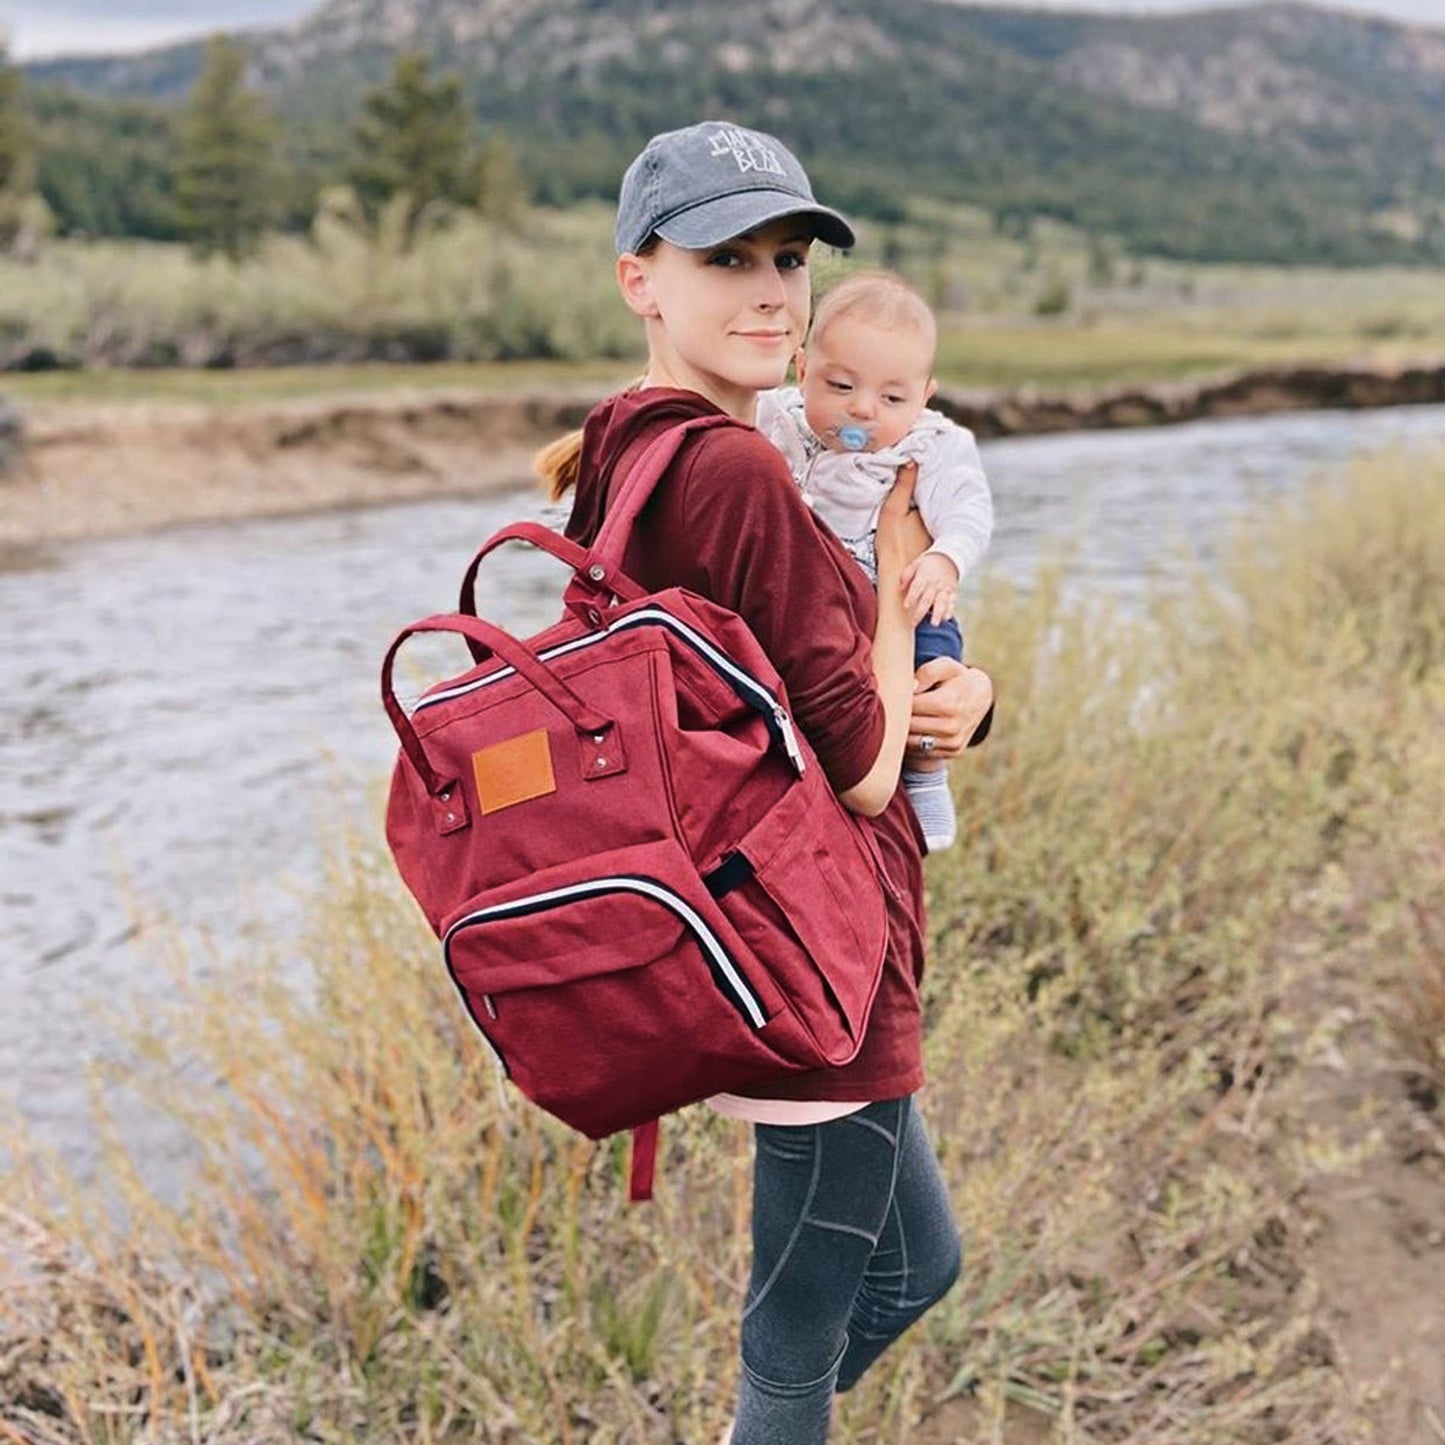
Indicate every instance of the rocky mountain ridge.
{"type": "Point", "coordinates": [1290, 72]}
{"type": "Point", "coordinates": [1277, 129]}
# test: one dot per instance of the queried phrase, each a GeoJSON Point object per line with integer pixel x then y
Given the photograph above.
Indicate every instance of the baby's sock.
{"type": "Point", "coordinates": [933, 805]}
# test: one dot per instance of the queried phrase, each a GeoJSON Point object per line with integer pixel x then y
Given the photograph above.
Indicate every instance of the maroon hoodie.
{"type": "Point", "coordinates": [728, 523]}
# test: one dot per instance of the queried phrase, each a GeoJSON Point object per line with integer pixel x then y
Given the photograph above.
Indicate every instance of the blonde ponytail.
{"type": "Point", "coordinates": [556, 465]}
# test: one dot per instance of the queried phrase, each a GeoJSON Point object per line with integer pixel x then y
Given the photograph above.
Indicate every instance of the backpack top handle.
{"type": "Point", "coordinates": [544, 538]}
{"type": "Point", "coordinates": [584, 718]}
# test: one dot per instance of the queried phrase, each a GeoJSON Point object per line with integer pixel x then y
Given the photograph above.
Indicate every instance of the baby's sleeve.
{"type": "Point", "coordinates": [954, 499]}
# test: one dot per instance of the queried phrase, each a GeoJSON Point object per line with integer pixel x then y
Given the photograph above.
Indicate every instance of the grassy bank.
{"type": "Point", "coordinates": [533, 304]}
{"type": "Point", "coordinates": [1191, 831]}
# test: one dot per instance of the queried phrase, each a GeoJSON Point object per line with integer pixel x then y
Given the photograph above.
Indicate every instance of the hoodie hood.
{"type": "Point", "coordinates": [614, 430]}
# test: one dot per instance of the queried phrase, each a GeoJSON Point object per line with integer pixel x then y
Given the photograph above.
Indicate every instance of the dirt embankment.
{"type": "Point", "coordinates": [88, 471]}
{"type": "Point", "coordinates": [1251, 393]}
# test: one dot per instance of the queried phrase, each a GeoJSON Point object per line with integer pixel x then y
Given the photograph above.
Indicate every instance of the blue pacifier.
{"type": "Point", "coordinates": [852, 438]}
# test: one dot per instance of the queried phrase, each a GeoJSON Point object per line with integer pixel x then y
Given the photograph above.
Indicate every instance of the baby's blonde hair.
{"type": "Point", "coordinates": [880, 298]}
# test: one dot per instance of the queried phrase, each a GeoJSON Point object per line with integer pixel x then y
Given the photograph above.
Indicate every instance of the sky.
{"type": "Point", "coordinates": [55, 27]}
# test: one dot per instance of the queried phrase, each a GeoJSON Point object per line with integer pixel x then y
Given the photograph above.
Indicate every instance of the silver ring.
{"type": "Point", "coordinates": [927, 744]}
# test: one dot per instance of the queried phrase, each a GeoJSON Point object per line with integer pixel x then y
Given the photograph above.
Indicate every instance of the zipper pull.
{"type": "Point", "coordinates": [790, 738]}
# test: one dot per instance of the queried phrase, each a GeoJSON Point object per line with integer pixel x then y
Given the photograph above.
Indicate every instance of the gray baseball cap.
{"type": "Point", "coordinates": [705, 184]}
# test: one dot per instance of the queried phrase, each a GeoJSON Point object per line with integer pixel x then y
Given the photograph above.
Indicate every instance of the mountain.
{"type": "Point", "coordinates": [1338, 94]}
{"type": "Point", "coordinates": [1269, 132]}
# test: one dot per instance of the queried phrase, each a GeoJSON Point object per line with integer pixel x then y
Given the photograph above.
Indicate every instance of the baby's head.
{"type": "Point", "coordinates": [867, 369]}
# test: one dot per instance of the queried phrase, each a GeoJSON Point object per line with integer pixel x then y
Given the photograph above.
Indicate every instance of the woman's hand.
{"type": "Point", "coordinates": [950, 701]}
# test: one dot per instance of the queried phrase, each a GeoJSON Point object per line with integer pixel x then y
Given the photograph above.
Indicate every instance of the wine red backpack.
{"type": "Point", "coordinates": [645, 889]}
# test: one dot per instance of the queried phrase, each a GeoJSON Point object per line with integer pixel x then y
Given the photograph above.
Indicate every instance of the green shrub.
{"type": "Point", "coordinates": [1055, 298]}
{"type": "Point", "coordinates": [468, 290]}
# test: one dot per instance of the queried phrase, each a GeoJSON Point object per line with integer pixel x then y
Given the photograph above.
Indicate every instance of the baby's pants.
{"type": "Point", "coordinates": [943, 639]}
{"type": "Point", "coordinates": [853, 1240]}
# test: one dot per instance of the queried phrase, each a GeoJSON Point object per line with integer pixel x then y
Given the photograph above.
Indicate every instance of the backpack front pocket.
{"type": "Point", "coordinates": [612, 985]}
{"type": "Point", "coordinates": [808, 897]}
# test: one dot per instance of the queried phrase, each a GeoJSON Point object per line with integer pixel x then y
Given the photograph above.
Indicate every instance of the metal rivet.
{"type": "Point", "coordinates": [451, 817]}
{"type": "Point", "coordinates": [447, 796]}
{"type": "Point", "coordinates": [597, 737]}
{"type": "Point", "coordinates": [596, 571]}
{"type": "Point", "coordinates": [601, 762]}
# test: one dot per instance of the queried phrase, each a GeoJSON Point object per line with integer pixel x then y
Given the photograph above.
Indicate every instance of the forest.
{"type": "Point", "coordinates": [1016, 113]}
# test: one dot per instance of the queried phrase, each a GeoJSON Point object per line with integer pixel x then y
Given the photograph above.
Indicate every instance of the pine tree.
{"type": "Point", "coordinates": [414, 138]}
{"type": "Point", "coordinates": [500, 187]}
{"type": "Point", "coordinates": [227, 178]}
{"type": "Point", "coordinates": [15, 153]}
{"type": "Point", "coordinates": [17, 160]}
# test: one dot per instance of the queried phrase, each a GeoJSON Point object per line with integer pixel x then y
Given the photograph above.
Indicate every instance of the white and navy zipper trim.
{"type": "Point", "coordinates": [724, 969]}
{"type": "Point", "coordinates": [743, 683]}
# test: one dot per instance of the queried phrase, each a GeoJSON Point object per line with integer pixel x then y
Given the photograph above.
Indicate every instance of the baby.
{"type": "Point", "coordinates": [859, 412]}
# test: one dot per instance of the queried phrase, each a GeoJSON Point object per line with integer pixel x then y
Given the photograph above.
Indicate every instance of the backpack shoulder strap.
{"type": "Point", "coordinates": [640, 483]}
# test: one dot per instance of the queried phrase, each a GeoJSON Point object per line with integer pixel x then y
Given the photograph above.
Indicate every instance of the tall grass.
{"type": "Point", "coordinates": [1133, 913]}
{"type": "Point", "coordinates": [540, 289]}
{"type": "Point", "coordinates": [1129, 953]}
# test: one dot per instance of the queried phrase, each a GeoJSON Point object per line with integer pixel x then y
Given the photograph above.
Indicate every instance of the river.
{"type": "Point", "coordinates": [183, 716]}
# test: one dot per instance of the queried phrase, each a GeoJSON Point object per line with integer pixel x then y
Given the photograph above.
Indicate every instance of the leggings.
{"type": "Point", "coordinates": [853, 1240]}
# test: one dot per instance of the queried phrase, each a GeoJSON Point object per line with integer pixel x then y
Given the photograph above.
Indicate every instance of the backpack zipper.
{"type": "Point", "coordinates": [719, 961]}
{"type": "Point", "coordinates": [747, 687]}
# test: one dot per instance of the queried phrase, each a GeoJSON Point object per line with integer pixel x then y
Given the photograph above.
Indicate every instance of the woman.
{"type": "Point", "coordinates": [853, 1236]}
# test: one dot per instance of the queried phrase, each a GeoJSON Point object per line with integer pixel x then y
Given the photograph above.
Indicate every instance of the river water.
{"type": "Point", "coordinates": [184, 716]}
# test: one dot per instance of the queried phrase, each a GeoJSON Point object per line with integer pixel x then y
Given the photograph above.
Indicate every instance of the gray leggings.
{"type": "Point", "coordinates": [853, 1240]}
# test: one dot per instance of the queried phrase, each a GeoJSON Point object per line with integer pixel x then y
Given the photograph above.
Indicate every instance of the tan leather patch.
{"type": "Point", "coordinates": [514, 771]}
